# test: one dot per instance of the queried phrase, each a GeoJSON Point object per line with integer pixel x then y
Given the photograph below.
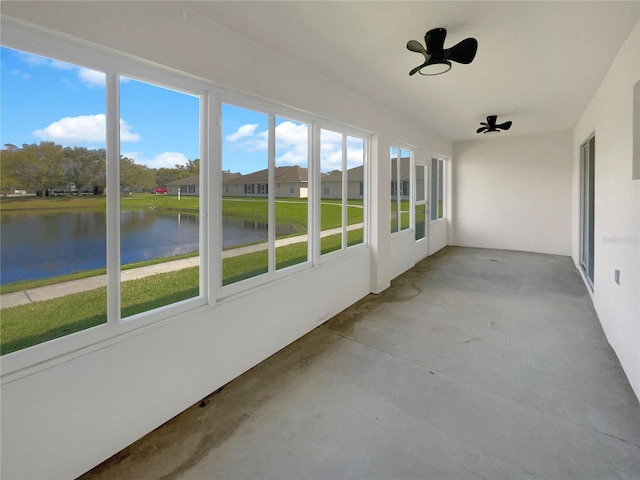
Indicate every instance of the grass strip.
{"type": "Point", "coordinates": [43, 282]}
{"type": "Point", "coordinates": [35, 323]}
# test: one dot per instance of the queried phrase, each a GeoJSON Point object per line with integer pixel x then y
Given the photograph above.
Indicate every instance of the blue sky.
{"type": "Point", "coordinates": [48, 100]}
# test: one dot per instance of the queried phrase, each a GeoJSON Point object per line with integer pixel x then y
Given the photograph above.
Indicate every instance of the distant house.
{"type": "Point", "coordinates": [187, 186]}
{"type": "Point", "coordinates": [403, 184]}
{"type": "Point", "coordinates": [332, 183]}
{"type": "Point", "coordinates": [291, 182]}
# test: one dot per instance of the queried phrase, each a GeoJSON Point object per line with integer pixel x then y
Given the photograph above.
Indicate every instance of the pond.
{"type": "Point", "coordinates": [42, 245]}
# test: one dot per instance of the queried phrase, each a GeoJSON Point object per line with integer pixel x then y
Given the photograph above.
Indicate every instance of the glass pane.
{"type": "Point", "coordinates": [394, 190]}
{"type": "Point", "coordinates": [434, 189]}
{"type": "Point", "coordinates": [420, 220]}
{"type": "Point", "coordinates": [420, 184]}
{"type": "Point", "coordinates": [330, 191]}
{"type": "Point", "coordinates": [404, 189]}
{"type": "Point", "coordinates": [53, 205]}
{"type": "Point", "coordinates": [159, 232]}
{"type": "Point", "coordinates": [292, 191]}
{"type": "Point", "coordinates": [420, 209]}
{"type": "Point", "coordinates": [440, 189]}
{"type": "Point", "coordinates": [355, 191]}
{"type": "Point", "coordinates": [245, 206]}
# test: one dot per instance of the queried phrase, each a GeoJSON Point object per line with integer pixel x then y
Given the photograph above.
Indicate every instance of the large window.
{"type": "Point", "coordinates": [89, 232]}
{"type": "Point", "coordinates": [587, 208]}
{"type": "Point", "coordinates": [117, 210]}
{"type": "Point", "coordinates": [159, 129]}
{"type": "Point", "coordinates": [245, 219]}
{"type": "Point", "coordinates": [420, 201]}
{"type": "Point", "coordinates": [342, 207]}
{"type": "Point", "coordinates": [401, 172]}
{"type": "Point", "coordinates": [331, 168]}
{"type": "Point", "coordinates": [53, 210]}
{"type": "Point", "coordinates": [437, 188]}
{"type": "Point", "coordinates": [292, 208]}
{"type": "Point", "coordinates": [355, 190]}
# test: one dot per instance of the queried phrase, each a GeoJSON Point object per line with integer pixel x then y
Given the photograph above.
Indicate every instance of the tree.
{"type": "Point", "coordinates": [192, 167]}
{"type": "Point", "coordinates": [37, 167]}
{"type": "Point", "coordinates": [165, 175]}
{"type": "Point", "coordinates": [8, 180]}
{"type": "Point", "coordinates": [84, 168]}
{"type": "Point", "coordinates": [136, 178]}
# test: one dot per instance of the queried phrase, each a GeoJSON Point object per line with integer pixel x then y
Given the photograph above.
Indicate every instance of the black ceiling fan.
{"type": "Point", "coordinates": [491, 127]}
{"type": "Point", "coordinates": [437, 58]}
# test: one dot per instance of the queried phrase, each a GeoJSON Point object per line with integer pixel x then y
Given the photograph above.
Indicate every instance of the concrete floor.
{"type": "Point", "coordinates": [474, 364]}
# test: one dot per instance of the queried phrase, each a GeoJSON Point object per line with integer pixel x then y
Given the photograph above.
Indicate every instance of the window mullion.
{"type": "Point", "coordinates": [412, 191]}
{"type": "Point", "coordinates": [271, 230]}
{"type": "Point", "coordinates": [316, 233]}
{"type": "Point", "coordinates": [398, 189]}
{"type": "Point", "coordinates": [345, 190]}
{"type": "Point", "coordinates": [205, 182]}
{"type": "Point", "coordinates": [113, 196]}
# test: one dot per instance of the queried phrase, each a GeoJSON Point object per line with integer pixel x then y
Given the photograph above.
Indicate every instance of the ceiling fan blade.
{"type": "Point", "coordinates": [463, 52]}
{"type": "Point", "coordinates": [416, 46]}
{"type": "Point", "coordinates": [492, 119]}
{"type": "Point", "coordinates": [417, 69]}
{"type": "Point", "coordinates": [505, 125]}
{"type": "Point", "coordinates": [482, 129]}
{"type": "Point", "coordinates": [434, 40]}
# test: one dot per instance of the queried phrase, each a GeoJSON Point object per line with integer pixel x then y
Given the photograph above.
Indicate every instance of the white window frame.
{"type": "Point", "coordinates": [443, 164]}
{"type": "Point", "coordinates": [19, 36]}
{"type": "Point", "coordinates": [115, 65]}
{"type": "Point", "coordinates": [346, 132]}
{"type": "Point", "coordinates": [397, 186]}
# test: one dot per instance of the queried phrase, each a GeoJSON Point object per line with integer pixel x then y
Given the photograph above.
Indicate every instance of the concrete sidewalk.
{"type": "Point", "coordinates": [50, 292]}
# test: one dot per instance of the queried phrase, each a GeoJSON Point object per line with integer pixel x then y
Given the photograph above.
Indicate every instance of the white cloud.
{"type": "Point", "coordinates": [88, 77]}
{"type": "Point", "coordinates": [165, 159]}
{"type": "Point", "coordinates": [331, 151]}
{"type": "Point", "coordinates": [243, 132]}
{"type": "Point", "coordinates": [60, 65]}
{"type": "Point", "coordinates": [33, 60]}
{"type": "Point", "coordinates": [247, 139]}
{"type": "Point", "coordinates": [91, 78]}
{"type": "Point", "coordinates": [292, 145]}
{"type": "Point", "coordinates": [291, 142]}
{"type": "Point", "coordinates": [126, 135]}
{"type": "Point", "coordinates": [87, 129]}
{"type": "Point", "coordinates": [19, 73]}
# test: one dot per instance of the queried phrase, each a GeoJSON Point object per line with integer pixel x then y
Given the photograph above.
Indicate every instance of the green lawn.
{"type": "Point", "coordinates": [288, 211]}
{"type": "Point", "coordinates": [27, 325]}
{"type": "Point", "coordinates": [31, 324]}
{"type": "Point", "coordinates": [39, 322]}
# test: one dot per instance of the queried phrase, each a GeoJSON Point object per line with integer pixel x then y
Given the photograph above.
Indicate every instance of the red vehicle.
{"type": "Point", "coordinates": [160, 190]}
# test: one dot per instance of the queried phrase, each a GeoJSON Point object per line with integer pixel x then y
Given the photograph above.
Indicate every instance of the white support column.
{"type": "Point", "coordinates": [113, 197]}
{"type": "Point", "coordinates": [380, 218]}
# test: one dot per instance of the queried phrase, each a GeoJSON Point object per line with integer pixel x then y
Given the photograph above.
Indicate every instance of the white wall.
{"type": "Point", "coordinates": [617, 206]}
{"type": "Point", "coordinates": [513, 192]}
{"type": "Point", "coordinates": [62, 417]}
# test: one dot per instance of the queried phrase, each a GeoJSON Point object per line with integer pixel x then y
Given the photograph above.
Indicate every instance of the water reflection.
{"type": "Point", "coordinates": [50, 244]}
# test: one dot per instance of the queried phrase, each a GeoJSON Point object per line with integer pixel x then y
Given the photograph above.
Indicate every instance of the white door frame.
{"type": "Point", "coordinates": [423, 162]}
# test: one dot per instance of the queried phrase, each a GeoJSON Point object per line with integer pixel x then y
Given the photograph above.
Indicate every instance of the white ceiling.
{"type": "Point", "coordinates": [538, 63]}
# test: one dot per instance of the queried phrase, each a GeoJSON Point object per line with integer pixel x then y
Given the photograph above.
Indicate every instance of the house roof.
{"type": "Point", "coordinates": [293, 174]}
{"type": "Point", "coordinates": [195, 180]}
{"type": "Point", "coordinates": [353, 175]}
